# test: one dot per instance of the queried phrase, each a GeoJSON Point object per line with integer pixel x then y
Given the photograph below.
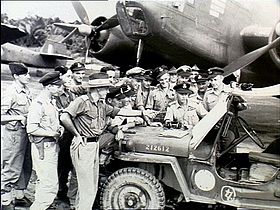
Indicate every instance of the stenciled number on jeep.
{"type": "Point", "coordinates": [157, 148]}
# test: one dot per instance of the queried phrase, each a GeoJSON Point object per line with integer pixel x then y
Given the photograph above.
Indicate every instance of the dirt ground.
{"type": "Point", "coordinates": [263, 115]}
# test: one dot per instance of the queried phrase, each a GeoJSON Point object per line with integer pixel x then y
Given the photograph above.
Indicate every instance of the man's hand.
{"type": "Point", "coordinates": [119, 135]}
{"type": "Point", "coordinates": [76, 141]}
{"type": "Point", "coordinates": [150, 113]}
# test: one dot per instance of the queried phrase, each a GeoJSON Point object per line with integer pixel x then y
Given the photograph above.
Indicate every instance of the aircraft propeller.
{"type": "Point", "coordinates": [91, 31]}
{"type": "Point", "coordinates": [248, 58]}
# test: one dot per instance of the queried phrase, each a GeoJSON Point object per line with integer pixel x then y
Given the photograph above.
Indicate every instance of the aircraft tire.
{"type": "Point", "coordinates": [132, 188]}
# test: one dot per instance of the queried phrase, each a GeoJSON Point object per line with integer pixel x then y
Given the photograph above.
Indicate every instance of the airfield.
{"type": "Point", "coordinates": [263, 115]}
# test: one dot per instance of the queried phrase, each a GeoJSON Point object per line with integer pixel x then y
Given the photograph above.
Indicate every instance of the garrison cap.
{"type": "Point", "coordinates": [183, 88]}
{"type": "Point", "coordinates": [215, 71]}
{"type": "Point", "coordinates": [195, 68]}
{"type": "Point", "coordinates": [51, 78]}
{"type": "Point", "coordinates": [61, 69]}
{"type": "Point", "coordinates": [160, 71]}
{"type": "Point", "coordinates": [18, 68]}
{"type": "Point", "coordinates": [77, 66]}
{"type": "Point", "coordinates": [173, 70]}
{"type": "Point", "coordinates": [98, 80]}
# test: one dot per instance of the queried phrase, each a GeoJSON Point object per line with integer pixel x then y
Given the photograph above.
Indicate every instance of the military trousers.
{"type": "Point", "coordinates": [16, 161]}
{"type": "Point", "coordinates": [86, 163]}
{"type": "Point", "coordinates": [47, 179]}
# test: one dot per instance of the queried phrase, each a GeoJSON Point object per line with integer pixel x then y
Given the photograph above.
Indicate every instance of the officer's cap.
{"type": "Point", "coordinates": [61, 69]}
{"type": "Point", "coordinates": [183, 88]}
{"type": "Point", "coordinates": [51, 78]}
{"type": "Point", "coordinates": [184, 68]}
{"type": "Point", "coordinates": [147, 75]}
{"type": "Point", "coordinates": [18, 68]}
{"type": "Point", "coordinates": [135, 71]}
{"type": "Point", "coordinates": [98, 80]}
{"type": "Point", "coordinates": [105, 69]}
{"type": "Point", "coordinates": [78, 66]}
{"type": "Point", "coordinates": [215, 71]}
{"type": "Point", "coordinates": [183, 73]}
{"type": "Point", "coordinates": [125, 91]}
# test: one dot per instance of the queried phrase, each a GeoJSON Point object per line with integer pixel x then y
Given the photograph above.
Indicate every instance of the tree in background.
{"type": "Point", "coordinates": [38, 29]}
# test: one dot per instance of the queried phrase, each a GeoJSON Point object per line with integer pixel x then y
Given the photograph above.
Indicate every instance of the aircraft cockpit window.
{"type": "Point", "coordinates": [137, 20]}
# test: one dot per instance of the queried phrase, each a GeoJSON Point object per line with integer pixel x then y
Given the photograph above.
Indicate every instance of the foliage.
{"type": "Point", "coordinates": [39, 28]}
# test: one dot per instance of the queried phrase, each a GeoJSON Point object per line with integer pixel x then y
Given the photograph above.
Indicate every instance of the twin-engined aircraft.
{"type": "Point", "coordinates": [187, 32]}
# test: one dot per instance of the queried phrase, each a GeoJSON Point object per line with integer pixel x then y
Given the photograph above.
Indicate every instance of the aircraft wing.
{"type": "Point", "coordinates": [55, 56]}
{"type": "Point", "coordinates": [10, 33]}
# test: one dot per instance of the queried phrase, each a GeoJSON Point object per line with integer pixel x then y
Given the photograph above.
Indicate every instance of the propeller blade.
{"type": "Point", "coordinates": [249, 58]}
{"type": "Point", "coordinates": [110, 23]}
{"type": "Point", "coordinates": [81, 12]}
{"type": "Point", "coordinates": [66, 26]}
{"type": "Point", "coordinates": [87, 40]}
{"type": "Point", "coordinates": [139, 51]}
{"type": "Point", "coordinates": [69, 35]}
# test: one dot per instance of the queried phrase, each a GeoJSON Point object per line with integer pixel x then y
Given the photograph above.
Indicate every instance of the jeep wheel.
{"type": "Point", "coordinates": [132, 188]}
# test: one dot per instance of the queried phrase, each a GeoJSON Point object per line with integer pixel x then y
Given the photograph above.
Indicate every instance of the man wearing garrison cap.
{"type": "Point", "coordinates": [85, 117]}
{"type": "Point", "coordinates": [16, 171]}
{"type": "Point", "coordinates": [162, 95]}
{"type": "Point", "coordinates": [44, 131]}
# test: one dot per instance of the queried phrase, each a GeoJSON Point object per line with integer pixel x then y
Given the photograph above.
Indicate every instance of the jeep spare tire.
{"type": "Point", "coordinates": [132, 188]}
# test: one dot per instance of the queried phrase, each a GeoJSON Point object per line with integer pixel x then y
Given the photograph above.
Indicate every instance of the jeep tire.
{"type": "Point", "coordinates": [132, 188]}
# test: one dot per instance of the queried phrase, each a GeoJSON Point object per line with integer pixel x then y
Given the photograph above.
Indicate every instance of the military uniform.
{"type": "Point", "coordinates": [16, 158]}
{"type": "Point", "coordinates": [44, 149]}
{"type": "Point", "coordinates": [159, 99]}
{"type": "Point", "coordinates": [212, 96]}
{"type": "Point", "coordinates": [188, 116]}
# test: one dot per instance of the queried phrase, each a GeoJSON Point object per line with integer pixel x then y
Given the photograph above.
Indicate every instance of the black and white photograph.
{"type": "Point", "coordinates": [143, 104]}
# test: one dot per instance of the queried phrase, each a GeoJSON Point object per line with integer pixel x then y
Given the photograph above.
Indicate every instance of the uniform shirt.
{"type": "Point", "coordinates": [212, 96]}
{"type": "Point", "coordinates": [16, 101]}
{"type": "Point", "coordinates": [159, 99]}
{"type": "Point", "coordinates": [43, 113]}
{"type": "Point", "coordinates": [90, 118]}
{"type": "Point", "coordinates": [142, 96]}
{"type": "Point", "coordinates": [188, 116]}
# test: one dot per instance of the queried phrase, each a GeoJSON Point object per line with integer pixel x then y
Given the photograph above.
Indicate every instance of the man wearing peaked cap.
{"type": "Point", "coordinates": [215, 71]}
{"type": "Point", "coordinates": [16, 147]}
{"type": "Point", "coordinates": [51, 78]}
{"type": "Point", "coordinates": [86, 118]}
{"type": "Point", "coordinates": [44, 130]}
{"type": "Point", "coordinates": [134, 71]}
{"type": "Point", "coordinates": [183, 111]}
{"type": "Point", "coordinates": [217, 87]}
{"type": "Point", "coordinates": [78, 70]}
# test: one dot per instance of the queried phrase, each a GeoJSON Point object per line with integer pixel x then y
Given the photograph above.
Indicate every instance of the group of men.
{"type": "Point", "coordinates": [64, 128]}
